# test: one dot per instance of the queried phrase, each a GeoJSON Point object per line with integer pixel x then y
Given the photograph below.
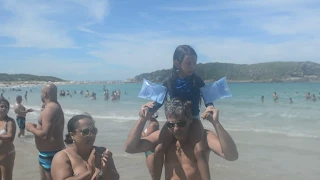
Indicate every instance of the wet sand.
{"type": "Point", "coordinates": [262, 150]}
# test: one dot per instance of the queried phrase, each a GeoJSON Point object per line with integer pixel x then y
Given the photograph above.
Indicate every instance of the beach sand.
{"type": "Point", "coordinates": [249, 166]}
{"type": "Point", "coordinates": [275, 140]}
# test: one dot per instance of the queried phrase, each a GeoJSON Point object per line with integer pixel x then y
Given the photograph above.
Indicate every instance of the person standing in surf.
{"type": "Point", "coordinates": [48, 133]}
{"type": "Point", "coordinates": [21, 113]}
{"type": "Point", "coordinates": [7, 135]}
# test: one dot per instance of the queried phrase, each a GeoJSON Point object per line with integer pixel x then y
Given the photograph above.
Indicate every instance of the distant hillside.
{"type": "Point", "coordinates": [26, 77]}
{"type": "Point", "coordinates": [262, 72]}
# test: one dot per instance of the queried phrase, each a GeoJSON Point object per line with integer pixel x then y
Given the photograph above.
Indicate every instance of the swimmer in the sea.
{"type": "Point", "coordinates": [314, 98]}
{"type": "Point", "coordinates": [307, 96]}
{"type": "Point", "coordinates": [87, 93]}
{"type": "Point", "coordinates": [262, 99]}
{"type": "Point", "coordinates": [275, 97]}
{"type": "Point", "coordinates": [290, 100]}
{"type": "Point", "coordinates": [26, 96]}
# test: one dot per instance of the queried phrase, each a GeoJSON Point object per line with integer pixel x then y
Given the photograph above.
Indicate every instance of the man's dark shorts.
{"type": "Point", "coordinates": [21, 122]}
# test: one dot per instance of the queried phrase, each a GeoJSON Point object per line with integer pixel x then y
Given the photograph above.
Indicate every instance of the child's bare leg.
{"type": "Point", "coordinates": [165, 138]}
{"type": "Point", "coordinates": [197, 138]}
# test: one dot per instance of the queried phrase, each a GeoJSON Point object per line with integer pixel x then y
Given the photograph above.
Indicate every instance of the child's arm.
{"type": "Point", "coordinates": [156, 105]}
{"type": "Point", "coordinates": [200, 85]}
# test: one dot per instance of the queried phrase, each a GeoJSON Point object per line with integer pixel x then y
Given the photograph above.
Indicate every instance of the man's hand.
{"type": "Point", "coordinates": [144, 111]}
{"type": "Point", "coordinates": [30, 110]}
{"type": "Point", "coordinates": [30, 126]}
{"type": "Point", "coordinates": [211, 114]}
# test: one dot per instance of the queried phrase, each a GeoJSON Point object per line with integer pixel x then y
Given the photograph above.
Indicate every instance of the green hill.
{"type": "Point", "coordinates": [262, 72]}
{"type": "Point", "coordinates": [26, 77]}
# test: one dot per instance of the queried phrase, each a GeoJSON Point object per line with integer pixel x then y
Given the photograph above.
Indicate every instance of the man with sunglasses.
{"type": "Point", "coordinates": [180, 160]}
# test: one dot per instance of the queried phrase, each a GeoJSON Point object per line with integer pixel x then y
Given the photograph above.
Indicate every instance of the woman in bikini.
{"type": "Point", "coordinates": [152, 127]}
{"type": "Point", "coordinates": [81, 159]}
{"type": "Point", "coordinates": [7, 134]}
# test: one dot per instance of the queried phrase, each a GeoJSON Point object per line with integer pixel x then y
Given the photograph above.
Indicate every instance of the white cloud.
{"type": "Point", "coordinates": [36, 32]}
{"type": "Point", "coordinates": [250, 31]}
{"type": "Point", "coordinates": [97, 9]}
{"type": "Point", "coordinates": [145, 15]}
{"type": "Point", "coordinates": [155, 53]}
{"type": "Point", "coordinates": [190, 9]}
{"type": "Point", "coordinates": [241, 51]}
{"type": "Point", "coordinates": [34, 25]}
{"type": "Point", "coordinates": [281, 17]}
{"type": "Point", "coordinates": [277, 17]}
{"type": "Point", "coordinates": [29, 27]}
{"type": "Point", "coordinates": [290, 19]}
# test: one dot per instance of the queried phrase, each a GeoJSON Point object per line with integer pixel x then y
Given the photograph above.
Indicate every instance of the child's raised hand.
{"type": "Point", "coordinates": [211, 114]}
{"type": "Point", "coordinates": [144, 111]}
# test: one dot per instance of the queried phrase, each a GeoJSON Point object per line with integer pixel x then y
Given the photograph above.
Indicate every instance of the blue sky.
{"type": "Point", "coordinates": [118, 39]}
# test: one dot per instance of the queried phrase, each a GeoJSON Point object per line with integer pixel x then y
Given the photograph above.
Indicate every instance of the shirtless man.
{"type": "Point", "coordinates": [180, 160]}
{"type": "Point", "coordinates": [49, 130]}
{"type": "Point", "coordinates": [21, 113]}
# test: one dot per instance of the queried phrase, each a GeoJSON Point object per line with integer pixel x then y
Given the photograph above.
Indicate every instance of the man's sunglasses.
{"type": "Point", "coordinates": [87, 131]}
{"type": "Point", "coordinates": [179, 124]}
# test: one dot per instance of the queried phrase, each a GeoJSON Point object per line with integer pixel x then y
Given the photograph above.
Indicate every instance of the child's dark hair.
{"type": "Point", "coordinates": [73, 124]}
{"type": "Point", "coordinates": [3, 100]}
{"type": "Point", "coordinates": [178, 107]}
{"type": "Point", "coordinates": [179, 54]}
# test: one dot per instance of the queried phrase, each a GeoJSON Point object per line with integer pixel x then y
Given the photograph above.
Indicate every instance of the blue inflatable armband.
{"type": "Point", "coordinates": [216, 90]}
{"type": "Point", "coordinates": [152, 91]}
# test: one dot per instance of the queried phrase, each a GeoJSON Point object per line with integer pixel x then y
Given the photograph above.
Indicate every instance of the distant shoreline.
{"type": "Point", "coordinates": [27, 83]}
{"type": "Point", "coordinates": [288, 80]}
{"type": "Point", "coordinates": [11, 84]}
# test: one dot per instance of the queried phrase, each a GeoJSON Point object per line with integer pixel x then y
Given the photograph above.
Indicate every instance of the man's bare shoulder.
{"type": "Point", "coordinates": [17, 105]}
{"type": "Point", "coordinates": [52, 111]}
{"type": "Point", "coordinates": [52, 106]}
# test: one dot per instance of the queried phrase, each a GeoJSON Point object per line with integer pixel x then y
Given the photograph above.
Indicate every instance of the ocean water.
{"type": "Point", "coordinates": [274, 140]}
